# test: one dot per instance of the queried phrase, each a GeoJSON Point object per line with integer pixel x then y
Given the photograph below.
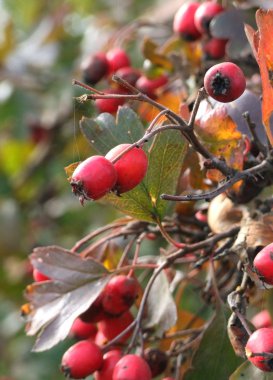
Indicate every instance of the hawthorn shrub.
{"type": "Point", "coordinates": [192, 172]}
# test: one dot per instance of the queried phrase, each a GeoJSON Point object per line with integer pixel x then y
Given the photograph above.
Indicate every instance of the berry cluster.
{"type": "Point", "coordinates": [117, 171]}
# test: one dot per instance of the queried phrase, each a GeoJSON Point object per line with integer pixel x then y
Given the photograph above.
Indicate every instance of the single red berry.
{"type": "Point", "coordinates": [100, 339]}
{"type": "Point", "coordinates": [119, 294]}
{"type": "Point", "coordinates": [113, 326]}
{"type": "Point", "coordinates": [129, 74]}
{"type": "Point", "coordinates": [183, 23]}
{"type": "Point", "coordinates": [132, 367]}
{"type": "Point", "coordinates": [157, 360]}
{"type": "Point", "coordinates": [201, 216]}
{"type": "Point", "coordinates": [110, 360]}
{"type": "Point", "coordinates": [110, 105]}
{"type": "Point", "coordinates": [93, 178]}
{"type": "Point", "coordinates": [131, 167]}
{"type": "Point", "coordinates": [39, 276]}
{"type": "Point", "coordinates": [81, 360]}
{"type": "Point", "coordinates": [117, 58]}
{"type": "Point", "coordinates": [95, 312]}
{"type": "Point", "coordinates": [215, 48]}
{"type": "Point", "coordinates": [204, 15]}
{"type": "Point", "coordinates": [263, 264]}
{"type": "Point", "coordinates": [94, 68]}
{"type": "Point", "coordinates": [260, 342]}
{"type": "Point", "coordinates": [262, 319]}
{"type": "Point", "coordinates": [148, 86]}
{"type": "Point", "coordinates": [225, 82]}
{"type": "Point", "coordinates": [83, 330]}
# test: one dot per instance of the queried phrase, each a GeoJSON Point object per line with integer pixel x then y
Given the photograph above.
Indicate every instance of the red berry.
{"type": "Point", "coordinates": [183, 23]}
{"type": "Point", "coordinates": [39, 276]}
{"type": "Point", "coordinates": [110, 105]}
{"type": "Point", "coordinates": [157, 360]}
{"type": "Point", "coordinates": [148, 86]}
{"type": "Point", "coordinates": [261, 341]}
{"type": "Point", "coordinates": [262, 319]}
{"type": "Point", "coordinates": [95, 312]}
{"type": "Point", "coordinates": [129, 74]}
{"type": "Point", "coordinates": [100, 339]}
{"type": "Point", "coordinates": [225, 82]}
{"type": "Point", "coordinates": [205, 14]}
{"type": "Point", "coordinates": [113, 326]}
{"type": "Point", "coordinates": [83, 330]}
{"type": "Point", "coordinates": [81, 360]}
{"type": "Point", "coordinates": [119, 294]}
{"type": "Point", "coordinates": [117, 58]}
{"type": "Point", "coordinates": [263, 264]}
{"type": "Point", "coordinates": [215, 48]}
{"type": "Point", "coordinates": [110, 360]}
{"type": "Point", "coordinates": [131, 167]}
{"type": "Point", "coordinates": [94, 68]}
{"type": "Point", "coordinates": [132, 367]}
{"type": "Point", "coordinates": [93, 178]}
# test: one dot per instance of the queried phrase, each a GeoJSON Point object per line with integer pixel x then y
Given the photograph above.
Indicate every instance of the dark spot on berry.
{"type": "Point", "coordinates": [220, 84]}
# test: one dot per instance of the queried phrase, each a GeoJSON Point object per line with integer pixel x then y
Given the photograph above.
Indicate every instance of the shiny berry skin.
{"type": "Point", "coordinates": [148, 86]}
{"type": "Point", "coordinates": [113, 326]}
{"type": "Point", "coordinates": [204, 15]}
{"type": "Point", "coordinates": [82, 359]}
{"type": "Point", "coordinates": [132, 367]}
{"type": "Point", "coordinates": [110, 360]}
{"type": "Point", "coordinates": [129, 74]}
{"type": "Point", "coordinates": [94, 68]}
{"type": "Point", "coordinates": [215, 48]}
{"type": "Point", "coordinates": [157, 360]}
{"type": "Point", "coordinates": [93, 178]}
{"type": "Point", "coordinates": [109, 105]}
{"type": "Point", "coordinates": [263, 264]}
{"type": "Point", "coordinates": [83, 330]}
{"type": "Point", "coordinates": [131, 167]}
{"type": "Point", "coordinates": [259, 342]}
{"type": "Point", "coordinates": [225, 82]}
{"type": "Point", "coordinates": [39, 276]}
{"type": "Point", "coordinates": [262, 319]}
{"type": "Point", "coordinates": [117, 58]}
{"type": "Point", "coordinates": [119, 294]}
{"type": "Point", "coordinates": [183, 23]}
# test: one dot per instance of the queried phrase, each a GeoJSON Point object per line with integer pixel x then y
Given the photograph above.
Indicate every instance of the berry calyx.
{"type": "Point", "coordinates": [204, 15]}
{"type": "Point", "coordinates": [109, 105]}
{"type": "Point", "coordinates": [263, 264]}
{"type": "Point", "coordinates": [81, 360]}
{"type": "Point", "coordinates": [119, 294]}
{"type": "Point", "coordinates": [93, 178]}
{"type": "Point", "coordinates": [117, 58]}
{"type": "Point", "coordinates": [83, 330]}
{"type": "Point", "coordinates": [183, 23]}
{"type": "Point", "coordinates": [132, 367]}
{"type": "Point", "coordinates": [113, 326]}
{"type": "Point", "coordinates": [157, 360]}
{"type": "Point", "coordinates": [131, 167]}
{"type": "Point", "coordinates": [94, 68]}
{"type": "Point", "coordinates": [110, 360]}
{"type": "Point", "coordinates": [262, 319]}
{"type": "Point", "coordinates": [261, 342]}
{"type": "Point", "coordinates": [225, 82]}
{"type": "Point", "coordinates": [39, 276]}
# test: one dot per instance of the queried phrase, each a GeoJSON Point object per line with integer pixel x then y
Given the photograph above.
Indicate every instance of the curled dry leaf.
{"type": "Point", "coordinates": [223, 214]}
{"type": "Point", "coordinates": [55, 304]}
{"type": "Point", "coordinates": [237, 335]}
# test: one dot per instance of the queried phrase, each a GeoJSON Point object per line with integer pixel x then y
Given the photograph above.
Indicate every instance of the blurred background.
{"type": "Point", "coordinates": [42, 44]}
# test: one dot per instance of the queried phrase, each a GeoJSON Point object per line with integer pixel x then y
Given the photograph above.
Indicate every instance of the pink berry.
{"type": "Point", "coordinates": [205, 14]}
{"type": "Point", "coordinates": [263, 264]}
{"type": "Point", "coordinates": [132, 367]}
{"type": "Point", "coordinates": [262, 319]}
{"type": "Point", "coordinates": [215, 48]}
{"type": "Point", "coordinates": [113, 326]}
{"type": "Point", "coordinates": [148, 86]}
{"type": "Point", "coordinates": [225, 82]}
{"type": "Point", "coordinates": [83, 330]}
{"type": "Point", "coordinates": [183, 23]}
{"type": "Point", "coordinates": [131, 167]}
{"type": "Point", "coordinates": [117, 58]}
{"type": "Point", "coordinates": [110, 105]}
{"type": "Point", "coordinates": [81, 360]}
{"type": "Point", "coordinates": [93, 178]}
{"type": "Point", "coordinates": [261, 341]}
{"type": "Point", "coordinates": [110, 360]}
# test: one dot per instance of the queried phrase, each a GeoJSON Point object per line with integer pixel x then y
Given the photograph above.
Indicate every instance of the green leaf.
{"type": "Point", "coordinates": [165, 160]}
{"type": "Point", "coordinates": [215, 358]}
{"type": "Point", "coordinates": [247, 371]}
{"type": "Point", "coordinates": [104, 132]}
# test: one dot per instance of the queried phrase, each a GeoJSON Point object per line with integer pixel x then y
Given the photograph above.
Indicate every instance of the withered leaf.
{"type": "Point", "coordinates": [54, 305]}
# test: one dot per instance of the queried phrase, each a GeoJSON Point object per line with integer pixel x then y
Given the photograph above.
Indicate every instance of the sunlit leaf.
{"type": "Point", "coordinates": [149, 50]}
{"type": "Point", "coordinates": [55, 304]}
{"type": "Point", "coordinates": [263, 51]}
{"type": "Point", "coordinates": [161, 309]}
{"type": "Point", "coordinates": [215, 358]}
{"type": "Point", "coordinates": [249, 372]}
